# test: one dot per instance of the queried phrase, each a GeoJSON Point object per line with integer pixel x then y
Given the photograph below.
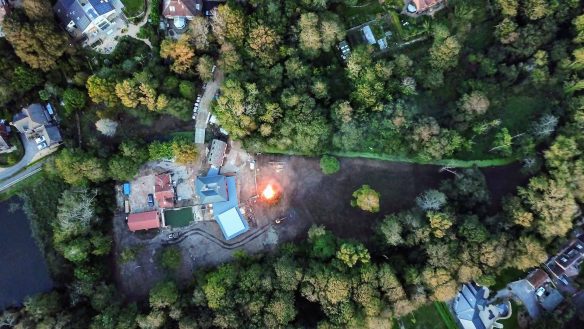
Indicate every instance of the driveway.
{"type": "Point", "coordinates": [30, 152]}
{"type": "Point", "coordinates": [523, 291]}
{"type": "Point", "coordinates": [206, 100]}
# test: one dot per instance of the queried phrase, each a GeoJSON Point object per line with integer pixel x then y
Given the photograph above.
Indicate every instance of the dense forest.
{"type": "Point", "coordinates": [487, 80]}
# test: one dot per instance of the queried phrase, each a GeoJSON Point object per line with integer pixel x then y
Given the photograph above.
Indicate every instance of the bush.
{"type": "Point", "coordinates": [187, 90]}
{"type": "Point", "coordinates": [366, 198]}
{"type": "Point", "coordinates": [329, 164]}
{"type": "Point", "coordinates": [171, 258]}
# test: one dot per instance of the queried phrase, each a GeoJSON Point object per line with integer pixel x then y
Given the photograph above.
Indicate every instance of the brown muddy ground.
{"type": "Point", "coordinates": [314, 198]}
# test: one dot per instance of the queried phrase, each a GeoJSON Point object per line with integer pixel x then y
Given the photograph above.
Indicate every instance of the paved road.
{"type": "Point", "coordinates": [30, 151]}
{"type": "Point", "coordinates": [203, 114]}
{"type": "Point", "coordinates": [7, 183]}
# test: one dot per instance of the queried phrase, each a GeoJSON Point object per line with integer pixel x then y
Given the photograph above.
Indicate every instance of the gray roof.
{"type": "Point", "coordinates": [53, 135]}
{"type": "Point", "coordinates": [217, 153]}
{"type": "Point", "coordinates": [31, 117]}
{"type": "Point", "coordinates": [211, 189]}
{"type": "Point", "coordinates": [466, 306]}
{"type": "Point", "coordinates": [553, 300]}
{"type": "Point", "coordinates": [71, 10]}
{"type": "Point", "coordinates": [3, 144]}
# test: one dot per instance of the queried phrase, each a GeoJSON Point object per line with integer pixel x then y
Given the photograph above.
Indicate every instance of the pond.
{"type": "Point", "coordinates": [23, 270]}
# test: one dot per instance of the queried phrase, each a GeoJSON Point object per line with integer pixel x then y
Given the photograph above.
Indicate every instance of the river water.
{"type": "Point", "coordinates": [23, 270]}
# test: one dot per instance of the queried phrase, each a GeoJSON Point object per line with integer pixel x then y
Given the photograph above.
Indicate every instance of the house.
{"type": "Point", "coordinates": [473, 310]}
{"type": "Point", "coordinates": [4, 10]}
{"type": "Point", "coordinates": [90, 19]}
{"type": "Point", "coordinates": [220, 192]}
{"type": "Point", "coordinates": [416, 8]}
{"type": "Point", "coordinates": [164, 191]}
{"type": "Point", "coordinates": [143, 221]}
{"type": "Point", "coordinates": [567, 262]}
{"type": "Point", "coordinates": [551, 299]}
{"type": "Point", "coordinates": [37, 125]}
{"type": "Point", "coordinates": [5, 146]}
{"type": "Point", "coordinates": [217, 153]}
{"type": "Point", "coordinates": [537, 278]}
{"type": "Point", "coordinates": [181, 11]}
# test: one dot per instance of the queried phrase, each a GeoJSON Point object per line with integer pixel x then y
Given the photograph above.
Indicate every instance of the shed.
{"type": "Point", "coordinates": [163, 191]}
{"type": "Point", "coordinates": [143, 221]}
{"type": "Point", "coordinates": [217, 153]}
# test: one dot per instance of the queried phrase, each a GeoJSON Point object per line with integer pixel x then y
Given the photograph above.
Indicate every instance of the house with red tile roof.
{"type": "Point", "coordinates": [164, 191]}
{"type": "Point", "coordinates": [423, 7]}
{"type": "Point", "coordinates": [144, 221]}
{"type": "Point", "coordinates": [181, 11]}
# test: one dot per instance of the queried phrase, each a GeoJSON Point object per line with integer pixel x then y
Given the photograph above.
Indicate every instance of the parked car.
{"type": "Point", "coordinates": [151, 200]}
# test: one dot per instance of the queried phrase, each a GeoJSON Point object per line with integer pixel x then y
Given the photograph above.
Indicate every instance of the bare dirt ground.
{"type": "Point", "coordinates": [307, 197]}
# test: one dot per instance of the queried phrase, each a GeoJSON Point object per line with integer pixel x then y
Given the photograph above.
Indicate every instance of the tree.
{"type": "Point", "coordinates": [184, 151]}
{"type": "Point", "coordinates": [468, 190]}
{"type": "Point", "coordinates": [527, 252]}
{"type": "Point", "coordinates": [75, 215]}
{"type": "Point", "coordinates": [180, 52]}
{"type": "Point", "coordinates": [440, 282]}
{"type": "Point", "coordinates": [323, 242]}
{"type": "Point", "coordinates": [107, 127]}
{"type": "Point", "coordinates": [366, 198]}
{"type": "Point", "coordinates": [391, 230]}
{"type": "Point", "coordinates": [171, 258]}
{"type": "Point", "coordinates": [101, 90]}
{"type": "Point", "coordinates": [38, 42]}
{"type": "Point", "coordinates": [431, 200]}
{"type": "Point", "coordinates": [508, 7]}
{"type": "Point", "coordinates": [471, 106]}
{"type": "Point", "coordinates": [444, 55]}
{"type": "Point", "coordinates": [73, 100]}
{"type": "Point", "coordinates": [43, 306]}
{"type": "Point", "coordinates": [329, 165]}
{"type": "Point", "coordinates": [535, 9]}
{"type": "Point", "coordinates": [199, 32]}
{"type": "Point", "coordinates": [440, 222]}
{"type": "Point", "coordinates": [310, 40]}
{"type": "Point", "coordinates": [78, 168]}
{"type": "Point", "coordinates": [228, 24]}
{"type": "Point", "coordinates": [545, 126]}
{"type": "Point", "coordinates": [263, 43]}
{"type": "Point", "coordinates": [342, 112]}
{"type": "Point", "coordinates": [163, 295]}
{"type": "Point", "coordinates": [517, 213]}
{"type": "Point", "coordinates": [472, 230]}
{"type": "Point", "coordinates": [187, 90]}
{"type": "Point", "coordinates": [205, 68]}
{"type": "Point", "coordinates": [352, 253]}
{"type": "Point", "coordinates": [128, 93]}
{"type": "Point", "coordinates": [37, 10]}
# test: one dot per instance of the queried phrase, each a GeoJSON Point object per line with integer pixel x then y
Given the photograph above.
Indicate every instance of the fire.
{"type": "Point", "coordinates": [269, 192]}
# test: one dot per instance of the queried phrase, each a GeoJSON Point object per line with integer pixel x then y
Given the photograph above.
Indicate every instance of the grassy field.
{"type": "Point", "coordinates": [133, 7]}
{"type": "Point", "coordinates": [429, 316]}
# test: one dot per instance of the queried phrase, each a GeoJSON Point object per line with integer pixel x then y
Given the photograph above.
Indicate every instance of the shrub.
{"type": "Point", "coordinates": [329, 164]}
{"type": "Point", "coordinates": [171, 258]}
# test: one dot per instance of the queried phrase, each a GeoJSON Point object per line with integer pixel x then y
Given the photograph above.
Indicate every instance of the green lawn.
{"type": "Point", "coordinates": [133, 7]}
{"type": "Point", "coordinates": [519, 111]}
{"type": "Point", "coordinates": [429, 316]}
{"type": "Point", "coordinates": [511, 323]}
{"type": "Point", "coordinates": [178, 218]}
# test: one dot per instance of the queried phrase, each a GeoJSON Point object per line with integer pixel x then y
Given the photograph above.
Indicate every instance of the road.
{"type": "Point", "coordinates": [206, 100]}
{"type": "Point", "coordinates": [7, 183]}
{"type": "Point", "coordinates": [30, 151]}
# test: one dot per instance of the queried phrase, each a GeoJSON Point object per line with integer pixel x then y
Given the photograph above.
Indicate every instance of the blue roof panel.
{"type": "Point", "coordinates": [102, 6]}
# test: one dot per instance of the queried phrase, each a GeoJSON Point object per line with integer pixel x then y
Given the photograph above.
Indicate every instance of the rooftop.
{"type": "Point", "coordinates": [164, 191]}
{"type": "Point", "coordinates": [211, 189]}
{"type": "Point", "coordinates": [143, 221]}
{"type": "Point", "coordinates": [217, 153]}
{"type": "Point", "coordinates": [537, 278]}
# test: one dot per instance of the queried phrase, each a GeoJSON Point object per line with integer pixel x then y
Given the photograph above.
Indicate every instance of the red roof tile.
{"type": "Point", "coordinates": [163, 191]}
{"type": "Point", "coordinates": [423, 5]}
{"type": "Point", "coordinates": [143, 221]}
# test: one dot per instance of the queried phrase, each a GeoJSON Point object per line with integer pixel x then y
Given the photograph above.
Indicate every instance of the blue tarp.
{"type": "Point", "coordinates": [126, 188]}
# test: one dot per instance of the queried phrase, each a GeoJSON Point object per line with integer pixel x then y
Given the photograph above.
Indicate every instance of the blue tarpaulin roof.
{"type": "Point", "coordinates": [126, 188]}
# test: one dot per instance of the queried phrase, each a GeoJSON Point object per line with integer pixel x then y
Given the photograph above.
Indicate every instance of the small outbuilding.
{"type": "Point", "coordinates": [217, 153]}
{"type": "Point", "coordinates": [164, 191]}
{"type": "Point", "coordinates": [143, 221]}
{"type": "Point", "coordinates": [537, 278]}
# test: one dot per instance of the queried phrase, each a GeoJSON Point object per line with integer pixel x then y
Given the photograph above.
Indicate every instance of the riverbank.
{"type": "Point", "coordinates": [24, 271]}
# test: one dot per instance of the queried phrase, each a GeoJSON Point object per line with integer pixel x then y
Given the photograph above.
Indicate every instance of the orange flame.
{"type": "Point", "coordinates": [269, 192]}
